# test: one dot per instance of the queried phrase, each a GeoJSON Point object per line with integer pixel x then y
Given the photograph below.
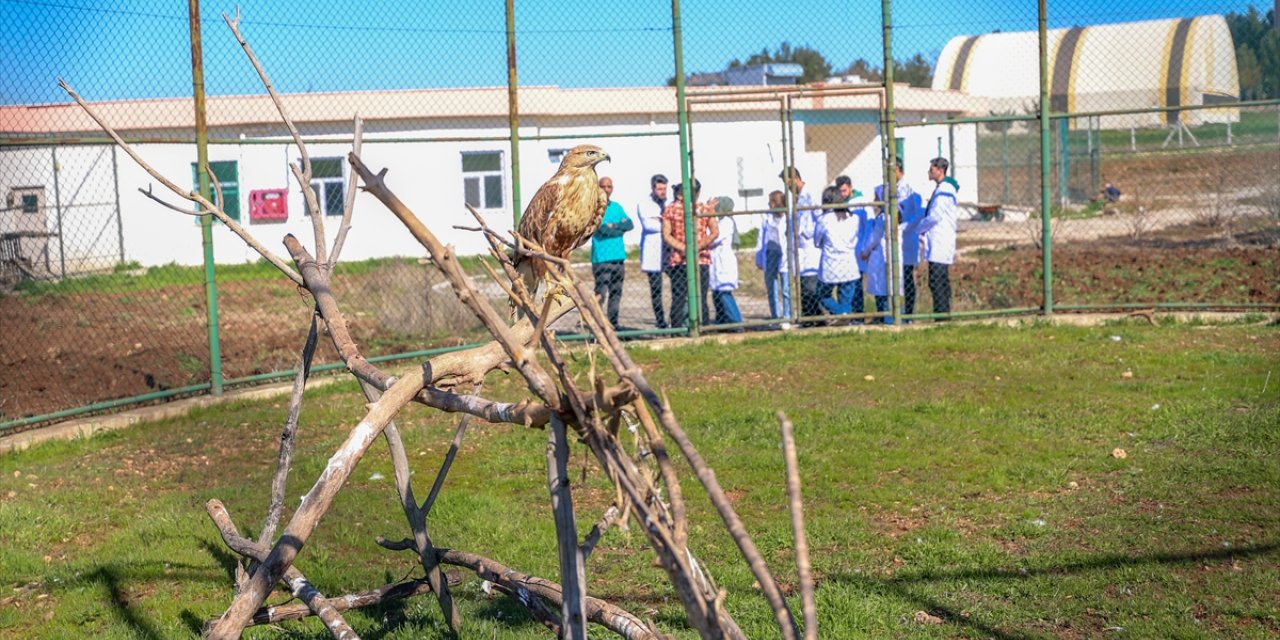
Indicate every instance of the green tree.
{"type": "Point", "coordinates": [916, 71]}
{"type": "Point", "coordinates": [865, 69]}
{"type": "Point", "coordinates": [1249, 71]}
{"type": "Point", "coordinates": [1257, 53]}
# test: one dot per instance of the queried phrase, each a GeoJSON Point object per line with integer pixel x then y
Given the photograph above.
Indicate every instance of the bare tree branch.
{"type": "Point", "coordinates": [298, 584]}
{"type": "Point", "coordinates": [302, 174]}
{"type": "Point", "coordinates": [314, 505]}
{"type": "Point", "coordinates": [186, 212]}
{"type": "Point", "coordinates": [609, 518]}
{"type": "Point", "coordinates": [808, 603]}
{"type": "Point", "coordinates": [596, 610]}
{"type": "Point", "coordinates": [417, 519]}
{"type": "Point", "coordinates": [289, 436]}
{"type": "Point", "coordinates": [349, 206]}
{"type": "Point", "coordinates": [445, 465]}
{"type": "Point", "coordinates": [572, 571]}
{"type": "Point", "coordinates": [381, 595]}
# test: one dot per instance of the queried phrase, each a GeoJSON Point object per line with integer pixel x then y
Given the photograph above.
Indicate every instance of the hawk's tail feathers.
{"type": "Point", "coordinates": [530, 279]}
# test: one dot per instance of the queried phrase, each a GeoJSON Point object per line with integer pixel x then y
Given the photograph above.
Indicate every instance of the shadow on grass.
{"type": "Point", "coordinates": [904, 582]}
{"type": "Point", "coordinates": [126, 585]}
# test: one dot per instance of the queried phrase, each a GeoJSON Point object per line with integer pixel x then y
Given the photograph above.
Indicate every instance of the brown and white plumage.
{"type": "Point", "coordinates": [565, 212]}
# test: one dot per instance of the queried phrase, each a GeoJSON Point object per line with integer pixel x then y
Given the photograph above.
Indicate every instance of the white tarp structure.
{"type": "Point", "coordinates": [1135, 65]}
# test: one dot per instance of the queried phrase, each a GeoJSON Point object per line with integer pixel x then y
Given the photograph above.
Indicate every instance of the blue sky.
{"type": "Point", "coordinates": [126, 49]}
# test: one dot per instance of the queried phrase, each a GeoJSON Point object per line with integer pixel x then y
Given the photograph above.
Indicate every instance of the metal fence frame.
{"type": "Point", "coordinates": [887, 125]}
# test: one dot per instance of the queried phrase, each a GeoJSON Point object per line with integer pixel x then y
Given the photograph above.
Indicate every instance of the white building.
{"type": "Point", "coordinates": [441, 147]}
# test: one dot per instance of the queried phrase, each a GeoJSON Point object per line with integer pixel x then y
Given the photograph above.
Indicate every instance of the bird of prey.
{"type": "Point", "coordinates": [564, 213]}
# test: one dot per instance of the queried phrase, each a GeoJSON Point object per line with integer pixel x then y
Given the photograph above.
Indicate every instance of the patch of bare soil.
{"type": "Point", "coordinates": [65, 351]}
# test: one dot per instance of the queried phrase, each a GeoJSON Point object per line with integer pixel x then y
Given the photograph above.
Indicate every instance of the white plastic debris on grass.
{"type": "Point", "coordinates": [1116, 338]}
{"type": "Point", "coordinates": [376, 476]}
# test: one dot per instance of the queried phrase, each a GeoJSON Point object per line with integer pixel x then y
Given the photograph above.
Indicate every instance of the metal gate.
{"type": "Point", "coordinates": [746, 139]}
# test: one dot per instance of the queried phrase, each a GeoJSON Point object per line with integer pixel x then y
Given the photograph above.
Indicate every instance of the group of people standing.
{"type": "Point", "coordinates": [841, 254]}
{"type": "Point", "coordinates": [839, 249]}
{"type": "Point", "coordinates": [663, 253]}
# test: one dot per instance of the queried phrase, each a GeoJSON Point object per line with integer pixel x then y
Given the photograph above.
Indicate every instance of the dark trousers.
{"type": "Point", "coordinates": [909, 289]}
{"type": "Point", "coordinates": [940, 287]}
{"type": "Point", "coordinates": [811, 294]}
{"type": "Point", "coordinates": [655, 298]}
{"type": "Point", "coordinates": [680, 293]}
{"type": "Point", "coordinates": [859, 297]}
{"type": "Point", "coordinates": [608, 276]}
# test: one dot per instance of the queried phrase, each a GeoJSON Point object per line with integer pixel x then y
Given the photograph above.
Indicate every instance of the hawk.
{"type": "Point", "coordinates": [564, 213]}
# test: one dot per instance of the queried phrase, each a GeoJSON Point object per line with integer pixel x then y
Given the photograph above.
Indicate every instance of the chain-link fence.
{"type": "Point", "coordinates": [1145, 178]}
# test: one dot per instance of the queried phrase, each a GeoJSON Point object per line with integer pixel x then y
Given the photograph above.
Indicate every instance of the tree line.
{"type": "Point", "coordinates": [1257, 53]}
{"type": "Point", "coordinates": [916, 70]}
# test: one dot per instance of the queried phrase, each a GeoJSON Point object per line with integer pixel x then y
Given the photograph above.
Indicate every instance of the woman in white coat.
{"type": "Point", "coordinates": [837, 237]}
{"type": "Point", "coordinates": [724, 267]}
{"type": "Point", "coordinates": [771, 256]}
{"type": "Point", "coordinates": [875, 278]}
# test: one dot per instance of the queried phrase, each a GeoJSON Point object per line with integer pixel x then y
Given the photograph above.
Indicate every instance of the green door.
{"type": "Point", "coordinates": [228, 174]}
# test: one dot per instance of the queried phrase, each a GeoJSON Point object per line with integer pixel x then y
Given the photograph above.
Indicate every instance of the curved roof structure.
{"type": "Point", "coordinates": [1134, 65]}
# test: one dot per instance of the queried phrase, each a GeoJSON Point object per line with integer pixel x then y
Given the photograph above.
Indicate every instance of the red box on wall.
{"type": "Point", "coordinates": [268, 205]}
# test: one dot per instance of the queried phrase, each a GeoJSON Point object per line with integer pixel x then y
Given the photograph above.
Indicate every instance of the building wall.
{"type": "Point", "coordinates": [730, 153]}
{"type": "Point", "coordinates": [77, 208]}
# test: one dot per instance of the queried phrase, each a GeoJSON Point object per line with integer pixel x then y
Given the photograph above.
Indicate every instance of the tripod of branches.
{"type": "Point", "coordinates": [590, 412]}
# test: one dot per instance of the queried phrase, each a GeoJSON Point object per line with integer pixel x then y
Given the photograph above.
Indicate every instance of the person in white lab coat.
{"type": "Point", "coordinates": [771, 256]}
{"type": "Point", "coordinates": [910, 211]}
{"type": "Point", "coordinates": [875, 277]}
{"type": "Point", "coordinates": [849, 194]}
{"type": "Point", "coordinates": [649, 216]}
{"type": "Point", "coordinates": [938, 227]}
{"type": "Point", "coordinates": [724, 267]}
{"type": "Point", "coordinates": [836, 235]}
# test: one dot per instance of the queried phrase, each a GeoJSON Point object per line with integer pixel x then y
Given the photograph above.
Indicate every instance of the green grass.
{"type": "Point", "coordinates": [1254, 127]}
{"type": "Point", "coordinates": [964, 471]}
{"type": "Point", "coordinates": [131, 276]}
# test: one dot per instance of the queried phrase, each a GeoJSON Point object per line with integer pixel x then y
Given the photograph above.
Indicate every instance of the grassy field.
{"type": "Point", "coordinates": [968, 472]}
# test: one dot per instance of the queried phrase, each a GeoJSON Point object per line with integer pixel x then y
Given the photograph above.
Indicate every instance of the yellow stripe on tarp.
{"type": "Point", "coordinates": [1075, 68]}
{"type": "Point", "coordinates": [1163, 92]}
{"type": "Point", "coordinates": [962, 62]}
{"type": "Point", "coordinates": [1183, 86]}
{"type": "Point", "coordinates": [1176, 55]}
{"type": "Point", "coordinates": [1063, 63]}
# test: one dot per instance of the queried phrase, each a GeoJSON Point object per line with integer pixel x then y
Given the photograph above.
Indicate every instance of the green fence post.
{"type": "Point", "coordinates": [1064, 163]}
{"type": "Point", "coordinates": [889, 140]}
{"type": "Point", "coordinates": [57, 209]}
{"type": "Point", "coordinates": [513, 112]}
{"type": "Point", "coordinates": [1046, 240]}
{"type": "Point", "coordinates": [1004, 158]}
{"type": "Point", "coordinates": [202, 180]}
{"type": "Point", "coordinates": [690, 232]}
{"type": "Point", "coordinates": [115, 186]}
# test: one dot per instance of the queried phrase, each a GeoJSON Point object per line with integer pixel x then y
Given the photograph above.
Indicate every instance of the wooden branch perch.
{"type": "Point", "coordinates": [298, 584]}
{"type": "Point", "coordinates": [796, 503]}
{"type": "Point", "coordinates": [314, 505]}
